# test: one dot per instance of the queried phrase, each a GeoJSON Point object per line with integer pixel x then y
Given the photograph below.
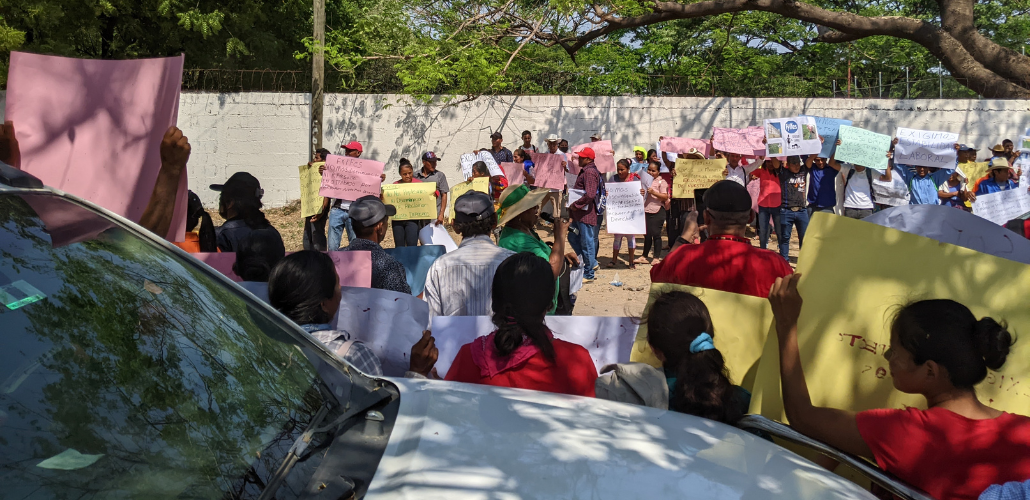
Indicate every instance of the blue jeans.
{"type": "Point", "coordinates": [764, 228]}
{"type": "Point", "coordinates": [338, 220]}
{"type": "Point", "coordinates": [585, 245]}
{"type": "Point", "coordinates": [788, 220]}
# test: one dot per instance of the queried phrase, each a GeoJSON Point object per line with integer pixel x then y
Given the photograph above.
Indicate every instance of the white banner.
{"type": "Point", "coordinates": [1002, 207]}
{"type": "Point", "coordinates": [926, 148]}
{"type": "Point", "coordinates": [491, 163]}
{"type": "Point", "coordinates": [625, 210]}
{"type": "Point", "coordinates": [467, 160]}
{"type": "Point", "coordinates": [792, 136]}
{"type": "Point", "coordinates": [387, 322]}
{"type": "Point", "coordinates": [608, 338]}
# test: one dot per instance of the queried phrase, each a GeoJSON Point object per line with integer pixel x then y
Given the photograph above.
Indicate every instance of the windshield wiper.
{"type": "Point", "coordinates": [301, 444]}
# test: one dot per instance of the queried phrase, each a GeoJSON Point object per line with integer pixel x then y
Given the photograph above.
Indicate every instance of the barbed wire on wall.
{"type": "Point", "coordinates": [379, 81]}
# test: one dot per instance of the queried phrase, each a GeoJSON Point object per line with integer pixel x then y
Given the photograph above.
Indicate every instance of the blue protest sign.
{"type": "Point", "coordinates": [416, 261]}
{"type": "Point", "coordinates": [828, 128]}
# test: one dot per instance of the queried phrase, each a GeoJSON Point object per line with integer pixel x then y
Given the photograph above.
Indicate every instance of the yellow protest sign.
{"type": "Point", "coordinates": [696, 174]}
{"type": "Point", "coordinates": [741, 325]}
{"type": "Point", "coordinates": [974, 171]}
{"type": "Point", "coordinates": [310, 181]}
{"type": "Point", "coordinates": [481, 184]}
{"type": "Point", "coordinates": [855, 276]}
{"type": "Point", "coordinates": [413, 200]}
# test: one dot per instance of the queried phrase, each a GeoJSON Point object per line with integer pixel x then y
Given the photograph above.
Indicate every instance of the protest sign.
{"type": "Point", "coordinates": [974, 171]}
{"type": "Point", "coordinates": [310, 181]}
{"type": "Point", "coordinates": [481, 184]}
{"type": "Point", "coordinates": [353, 267]}
{"type": "Point", "coordinates": [1024, 144]}
{"type": "Point", "coordinates": [514, 172]}
{"type": "Point", "coordinates": [548, 170]}
{"type": "Point", "coordinates": [416, 261]}
{"type": "Point", "coordinates": [926, 148]}
{"type": "Point", "coordinates": [433, 234]}
{"type": "Point", "coordinates": [467, 160]}
{"type": "Point", "coordinates": [93, 128]}
{"type": "Point", "coordinates": [609, 339]}
{"type": "Point", "coordinates": [1003, 206]}
{"type": "Point", "coordinates": [892, 193]}
{"type": "Point", "coordinates": [741, 324]}
{"type": "Point", "coordinates": [684, 145]}
{"type": "Point", "coordinates": [387, 322]}
{"type": "Point", "coordinates": [862, 147]}
{"type": "Point", "coordinates": [696, 174]}
{"type": "Point", "coordinates": [792, 136]}
{"type": "Point", "coordinates": [574, 194]}
{"type": "Point", "coordinates": [828, 128]}
{"type": "Point", "coordinates": [956, 227]}
{"type": "Point", "coordinates": [745, 141]}
{"type": "Point", "coordinates": [844, 328]}
{"type": "Point", "coordinates": [604, 152]}
{"type": "Point", "coordinates": [491, 163]}
{"type": "Point", "coordinates": [413, 200]}
{"type": "Point", "coordinates": [625, 210]}
{"type": "Point", "coordinates": [347, 178]}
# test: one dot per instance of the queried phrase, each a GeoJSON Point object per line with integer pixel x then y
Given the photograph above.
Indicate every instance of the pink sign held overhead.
{"type": "Point", "coordinates": [744, 141]}
{"type": "Point", "coordinates": [514, 172]}
{"type": "Point", "coordinates": [604, 152]}
{"type": "Point", "coordinates": [684, 145]}
{"type": "Point", "coordinates": [93, 128]}
{"type": "Point", "coordinates": [548, 169]}
{"type": "Point", "coordinates": [353, 267]}
{"type": "Point", "coordinates": [349, 178]}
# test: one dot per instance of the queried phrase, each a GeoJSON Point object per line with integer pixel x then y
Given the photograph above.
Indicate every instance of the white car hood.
{"type": "Point", "coordinates": [462, 441]}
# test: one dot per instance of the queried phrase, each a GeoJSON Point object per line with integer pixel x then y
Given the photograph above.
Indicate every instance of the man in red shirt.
{"type": "Point", "coordinates": [726, 261]}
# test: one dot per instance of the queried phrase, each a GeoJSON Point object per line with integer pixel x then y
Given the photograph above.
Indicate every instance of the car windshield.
{"type": "Point", "coordinates": [126, 372]}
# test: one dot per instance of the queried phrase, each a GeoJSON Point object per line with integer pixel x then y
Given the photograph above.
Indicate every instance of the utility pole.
{"type": "Point", "coordinates": [317, 77]}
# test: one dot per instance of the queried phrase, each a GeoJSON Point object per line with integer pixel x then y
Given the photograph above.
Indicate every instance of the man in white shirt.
{"type": "Point", "coordinates": [739, 173]}
{"type": "Point", "coordinates": [553, 199]}
{"type": "Point", "coordinates": [460, 282]}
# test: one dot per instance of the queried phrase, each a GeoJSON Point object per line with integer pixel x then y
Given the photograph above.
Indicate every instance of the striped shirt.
{"type": "Point", "coordinates": [460, 282]}
{"type": "Point", "coordinates": [359, 355]}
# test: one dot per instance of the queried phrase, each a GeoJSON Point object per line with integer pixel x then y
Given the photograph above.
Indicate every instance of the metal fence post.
{"type": "Point", "coordinates": [834, 87]}
{"type": "Point", "coordinates": [856, 87]}
{"type": "Point", "coordinates": [908, 87]}
{"type": "Point", "coordinates": [879, 78]}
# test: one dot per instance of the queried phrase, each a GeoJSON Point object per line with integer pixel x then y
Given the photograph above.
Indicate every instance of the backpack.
{"type": "Point", "coordinates": [868, 176]}
{"type": "Point", "coordinates": [601, 201]}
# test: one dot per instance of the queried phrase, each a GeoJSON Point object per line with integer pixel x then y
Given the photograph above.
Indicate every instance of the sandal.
{"type": "Point", "coordinates": [610, 264]}
{"type": "Point", "coordinates": [640, 260]}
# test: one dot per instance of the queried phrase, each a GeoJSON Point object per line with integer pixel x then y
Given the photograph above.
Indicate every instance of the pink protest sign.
{"type": "Point", "coordinates": [745, 141]}
{"type": "Point", "coordinates": [514, 172]}
{"type": "Point", "coordinates": [353, 267]}
{"type": "Point", "coordinates": [684, 145]}
{"type": "Point", "coordinates": [548, 170]}
{"type": "Point", "coordinates": [604, 152]}
{"type": "Point", "coordinates": [93, 128]}
{"type": "Point", "coordinates": [349, 178]}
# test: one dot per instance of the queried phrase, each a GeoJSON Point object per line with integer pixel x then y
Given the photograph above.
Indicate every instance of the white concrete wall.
{"type": "Point", "coordinates": [266, 133]}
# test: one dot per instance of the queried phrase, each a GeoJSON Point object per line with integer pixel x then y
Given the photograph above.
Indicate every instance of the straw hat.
{"type": "Point", "coordinates": [695, 154]}
{"type": "Point", "coordinates": [519, 198]}
{"type": "Point", "coordinates": [997, 163]}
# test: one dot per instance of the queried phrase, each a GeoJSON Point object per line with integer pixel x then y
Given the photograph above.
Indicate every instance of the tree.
{"type": "Point", "coordinates": [480, 42]}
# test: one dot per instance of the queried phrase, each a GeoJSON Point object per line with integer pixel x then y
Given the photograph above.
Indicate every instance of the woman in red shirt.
{"type": "Point", "coordinates": [522, 352]}
{"type": "Point", "coordinates": [769, 200]}
{"type": "Point", "coordinates": [957, 447]}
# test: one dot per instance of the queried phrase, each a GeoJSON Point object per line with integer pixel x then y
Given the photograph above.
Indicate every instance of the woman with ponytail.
{"type": "Point", "coordinates": [955, 448]}
{"type": "Point", "coordinates": [522, 352]}
{"type": "Point", "coordinates": [693, 378]}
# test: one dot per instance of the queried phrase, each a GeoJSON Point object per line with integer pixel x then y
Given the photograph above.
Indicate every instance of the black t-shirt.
{"type": "Point", "coordinates": [793, 187]}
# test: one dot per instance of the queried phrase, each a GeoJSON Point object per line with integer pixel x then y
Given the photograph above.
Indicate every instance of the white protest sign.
{"type": "Point", "coordinates": [1002, 207]}
{"type": "Point", "coordinates": [388, 322]}
{"type": "Point", "coordinates": [792, 136]}
{"type": "Point", "coordinates": [925, 148]}
{"type": "Point", "coordinates": [892, 193]}
{"type": "Point", "coordinates": [491, 163]}
{"type": "Point", "coordinates": [609, 339]}
{"type": "Point", "coordinates": [625, 210]}
{"type": "Point", "coordinates": [574, 194]}
{"type": "Point", "coordinates": [467, 160]}
{"type": "Point", "coordinates": [434, 234]}
{"type": "Point", "coordinates": [1024, 144]}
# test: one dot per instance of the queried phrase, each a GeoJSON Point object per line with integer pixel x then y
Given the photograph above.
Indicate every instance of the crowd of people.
{"type": "Point", "coordinates": [955, 449]}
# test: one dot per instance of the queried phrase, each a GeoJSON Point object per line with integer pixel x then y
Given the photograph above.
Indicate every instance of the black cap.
{"type": "Point", "coordinates": [370, 210]}
{"type": "Point", "coordinates": [473, 206]}
{"type": "Point", "coordinates": [794, 159]}
{"type": "Point", "coordinates": [496, 135]}
{"type": "Point", "coordinates": [727, 196]}
{"type": "Point", "coordinates": [241, 182]}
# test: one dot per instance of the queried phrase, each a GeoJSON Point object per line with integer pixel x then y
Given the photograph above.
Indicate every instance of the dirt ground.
{"type": "Point", "coordinates": [599, 298]}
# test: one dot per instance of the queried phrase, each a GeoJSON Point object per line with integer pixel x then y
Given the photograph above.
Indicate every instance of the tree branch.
{"type": "Point", "coordinates": [957, 20]}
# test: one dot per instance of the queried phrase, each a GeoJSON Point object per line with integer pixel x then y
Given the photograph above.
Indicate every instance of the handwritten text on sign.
{"type": "Point", "coordinates": [625, 211]}
{"type": "Point", "coordinates": [1003, 206]}
{"type": "Point", "coordinates": [696, 174]}
{"type": "Point", "coordinates": [926, 148]}
{"type": "Point", "coordinates": [745, 141]}
{"type": "Point", "coordinates": [347, 178]}
{"type": "Point", "coordinates": [413, 200]}
{"type": "Point", "coordinates": [862, 147]}
{"type": "Point", "coordinates": [310, 181]}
